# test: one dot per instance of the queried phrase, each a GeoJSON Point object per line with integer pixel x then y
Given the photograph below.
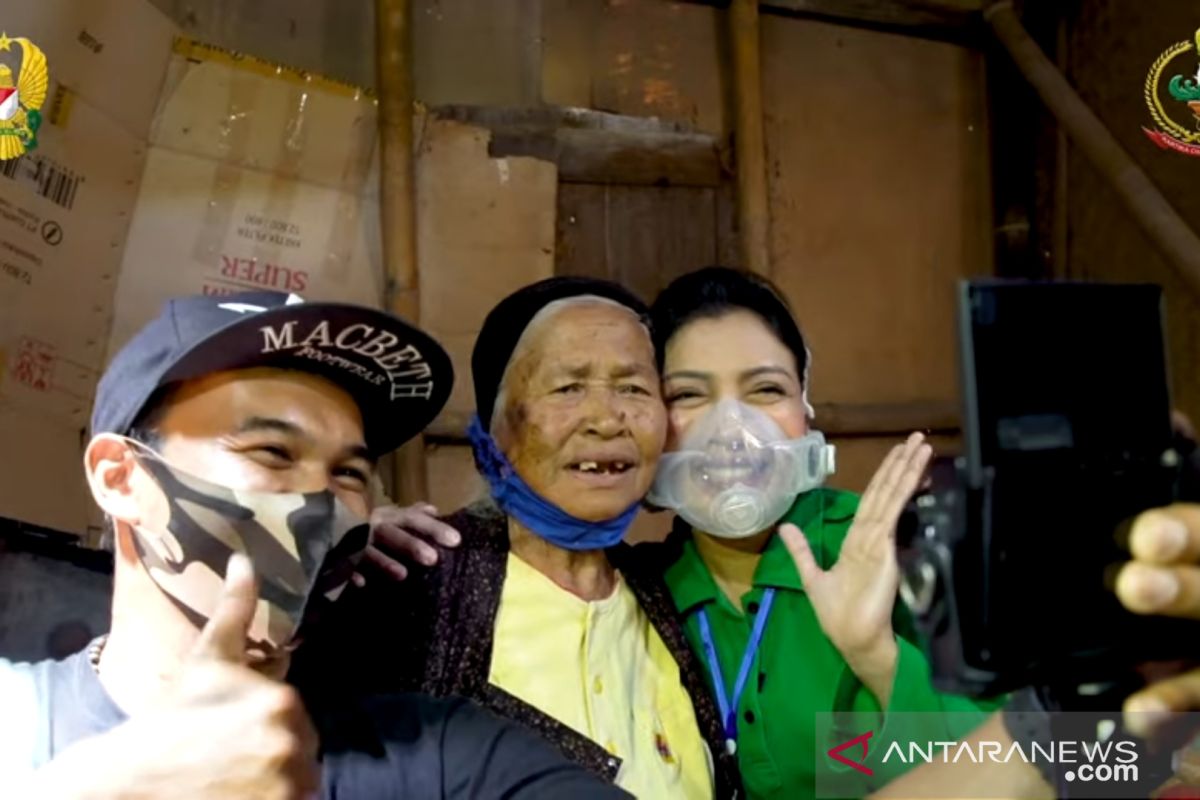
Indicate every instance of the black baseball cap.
{"type": "Point", "coordinates": [398, 375]}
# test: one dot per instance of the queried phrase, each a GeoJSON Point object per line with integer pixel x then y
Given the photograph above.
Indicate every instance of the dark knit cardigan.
{"type": "Point", "coordinates": [433, 633]}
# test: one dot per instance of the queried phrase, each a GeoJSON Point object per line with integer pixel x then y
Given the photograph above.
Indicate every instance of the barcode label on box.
{"type": "Point", "coordinates": [52, 181]}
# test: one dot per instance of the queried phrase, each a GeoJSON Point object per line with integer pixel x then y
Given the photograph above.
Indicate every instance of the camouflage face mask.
{"type": "Point", "coordinates": [304, 548]}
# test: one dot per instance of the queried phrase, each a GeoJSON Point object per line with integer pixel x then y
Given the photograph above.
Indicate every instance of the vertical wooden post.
{"type": "Point", "coordinates": [753, 208]}
{"type": "Point", "coordinates": [397, 203]}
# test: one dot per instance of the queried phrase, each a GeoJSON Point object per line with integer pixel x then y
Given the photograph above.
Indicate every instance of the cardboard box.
{"type": "Point", "coordinates": [256, 178]}
{"type": "Point", "coordinates": [204, 226]}
{"type": "Point", "coordinates": [64, 214]}
{"type": "Point", "coordinates": [250, 113]}
{"type": "Point", "coordinates": [41, 478]}
{"type": "Point", "coordinates": [112, 53]}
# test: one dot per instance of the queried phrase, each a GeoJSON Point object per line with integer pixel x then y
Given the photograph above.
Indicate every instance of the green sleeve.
{"type": "Point", "coordinates": [913, 690]}
{"type": "Point", "coordinates": [939, 716]}
{"type": "Point", "coordinates": [948, 717]}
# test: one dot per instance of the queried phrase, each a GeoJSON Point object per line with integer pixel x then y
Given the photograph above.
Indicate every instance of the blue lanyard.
{"type": "Point", "coordinates": [728, 710]}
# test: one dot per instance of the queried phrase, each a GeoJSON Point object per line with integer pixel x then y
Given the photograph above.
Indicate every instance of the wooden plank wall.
{"type": "Point", "coordinates": [880, 204]}
{"type": "Point", "coordinates": [641, 236]}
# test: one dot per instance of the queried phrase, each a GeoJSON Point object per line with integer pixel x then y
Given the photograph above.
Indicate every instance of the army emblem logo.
{"type": "Point", "coordinates": [21, 96]}
{"type": "Point", "coordinates": [1174, 102]}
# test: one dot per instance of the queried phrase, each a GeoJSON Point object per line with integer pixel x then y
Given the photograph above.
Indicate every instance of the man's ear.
{"type": "Point", "coordinates": [110, 467]}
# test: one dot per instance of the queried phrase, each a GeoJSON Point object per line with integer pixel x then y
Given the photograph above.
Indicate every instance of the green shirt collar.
{"type": "Point", "coordinates": [690, 582]}
{"type": "Point", "coordinates": [693, 585]}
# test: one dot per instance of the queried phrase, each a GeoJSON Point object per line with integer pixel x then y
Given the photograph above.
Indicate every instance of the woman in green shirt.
{"type": "Point", "coordinates": [804, 622]}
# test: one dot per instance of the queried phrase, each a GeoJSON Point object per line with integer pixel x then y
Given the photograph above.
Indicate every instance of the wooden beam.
{"type": "Point", "coordinates": [596, 147]}
{"type": "Point", "coordinates": [897, 13]}
{"type": "Point", "coordinates": [750, 150]}
{"type": "Point", "coordinates": [632, 159]}
{"type": "Point", "coordinates": [397, 205]}
{"type": "Point", "coordinates": [1159, 221]}
{"type": "Point", "coordinates": [833, 419]}
{"type": "Point", "coordinates": [887, 419]}
{"type": "Point", "coordinates": [938, 19]}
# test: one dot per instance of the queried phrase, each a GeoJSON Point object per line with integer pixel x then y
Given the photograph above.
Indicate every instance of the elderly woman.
{"type": "Point", "coordinates": [540, 614]}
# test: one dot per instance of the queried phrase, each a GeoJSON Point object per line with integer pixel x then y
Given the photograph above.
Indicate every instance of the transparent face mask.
{"type": "Point", "coordinates": [736, 473]}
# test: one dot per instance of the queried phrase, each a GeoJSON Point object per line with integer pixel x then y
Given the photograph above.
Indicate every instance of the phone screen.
{"type": "Point", "coordinates": [1067, 419]}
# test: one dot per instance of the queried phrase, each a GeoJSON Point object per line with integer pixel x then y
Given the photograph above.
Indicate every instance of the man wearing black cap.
{"type": "Point", "coordinates": [232, 437]}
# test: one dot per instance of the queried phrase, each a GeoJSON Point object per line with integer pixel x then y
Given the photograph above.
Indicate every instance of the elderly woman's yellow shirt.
{"type": "Point", "coordinates": [601, 668]}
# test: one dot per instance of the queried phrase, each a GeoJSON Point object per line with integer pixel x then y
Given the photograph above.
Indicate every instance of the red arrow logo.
{"type": "Point", "coordinates": [836, 753]}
